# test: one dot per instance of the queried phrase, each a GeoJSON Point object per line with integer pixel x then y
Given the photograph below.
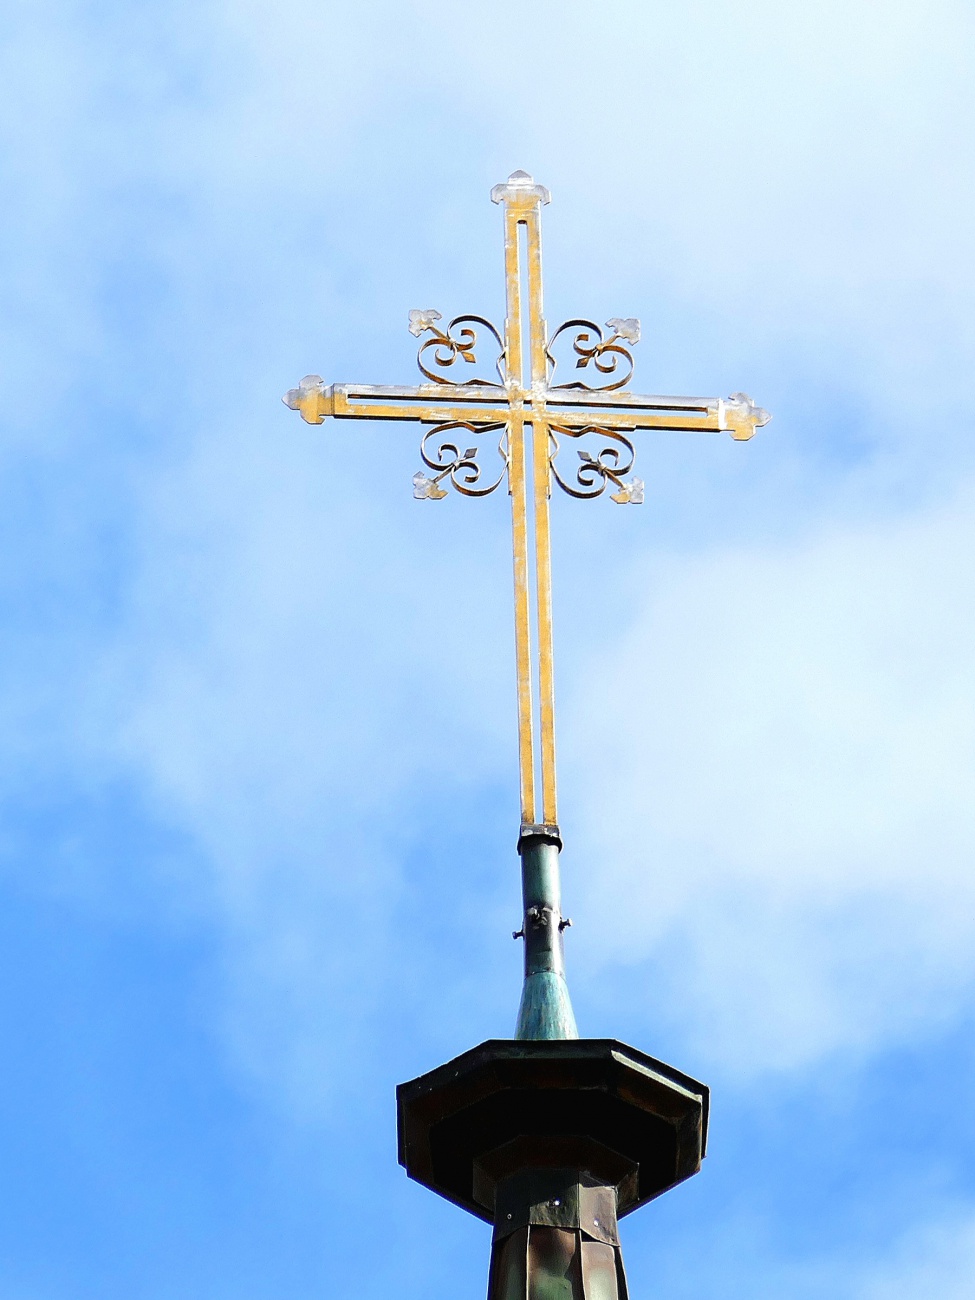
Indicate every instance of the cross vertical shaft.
{"type": "Point", "coordinates": [522, 212]}
{"type": "Point", "coordinates": [543, 545]}
{"type": "Point", "coordinates": [518, 490]}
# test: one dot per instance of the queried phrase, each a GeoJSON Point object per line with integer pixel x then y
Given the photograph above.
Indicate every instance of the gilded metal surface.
{"type": "Point", "coordinates": [534, 415]}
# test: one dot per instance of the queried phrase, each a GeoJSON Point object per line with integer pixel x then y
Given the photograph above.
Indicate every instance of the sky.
{"type": "Point", "coordinates": [257, 753]}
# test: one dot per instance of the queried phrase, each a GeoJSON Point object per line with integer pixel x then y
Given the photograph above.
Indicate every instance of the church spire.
{"type": "Point", "coordinates": [548, 1136]}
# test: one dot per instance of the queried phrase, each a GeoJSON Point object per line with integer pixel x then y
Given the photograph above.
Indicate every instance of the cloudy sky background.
{"type": "Point", "coordinates": [258, 776]}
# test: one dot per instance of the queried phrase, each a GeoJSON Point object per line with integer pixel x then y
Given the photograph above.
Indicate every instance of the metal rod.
{"type": "Point", "coordinates": [543, 538]}
{"type": "Point", "coordinates": [518, 487]}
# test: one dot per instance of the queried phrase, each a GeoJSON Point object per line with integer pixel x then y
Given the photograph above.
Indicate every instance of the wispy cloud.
{"type": "Point", "coordinates": [303, 676]}
{"type": "Point", "coordinates": [794, 748]}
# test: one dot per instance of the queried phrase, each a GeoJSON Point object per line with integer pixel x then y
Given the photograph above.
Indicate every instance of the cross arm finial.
{"type": "Point", "coordinates": [743, 417]}
{"type": "Point", "coordinates": [312, 397]}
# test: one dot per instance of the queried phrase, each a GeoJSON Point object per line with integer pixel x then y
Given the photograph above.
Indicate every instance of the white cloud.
{"type": "Point", "coordinates": [778, 778]}
{"type": "Point", "coordinates": [772, 180]}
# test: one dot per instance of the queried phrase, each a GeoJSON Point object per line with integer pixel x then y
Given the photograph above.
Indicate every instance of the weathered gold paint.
{"type": "Point", "coordinates": [543, 539]}
{"type": "Point", "coordinates": [428, 404]}
{"type": "Point", "coordinates": [529, 411]}
{"type": "Point", "coordinates": [518, 488]}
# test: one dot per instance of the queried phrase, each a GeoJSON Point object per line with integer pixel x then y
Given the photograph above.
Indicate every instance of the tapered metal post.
{"type": "Point", "coordinates": [546, 1009]}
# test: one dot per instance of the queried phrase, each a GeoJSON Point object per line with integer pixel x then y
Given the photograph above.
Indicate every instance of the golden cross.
{"type": "Point", "coordinates": [532, 413]}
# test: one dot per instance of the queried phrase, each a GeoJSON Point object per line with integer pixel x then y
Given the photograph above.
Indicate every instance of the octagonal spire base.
{"type": "Point", "coordinates": [551, 1141]}
{"type": "Point", "coordinates": [588, 1104]}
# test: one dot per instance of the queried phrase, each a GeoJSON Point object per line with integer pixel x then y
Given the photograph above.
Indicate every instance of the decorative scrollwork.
{"type": "Point", "coordinates": [609, 465]}
{"type": "Point", "coordinates": [445, 348]}
{"type": "Point", "coordinates": [461, 467]}
{"type": "Point", "coordinates": [607, 354]}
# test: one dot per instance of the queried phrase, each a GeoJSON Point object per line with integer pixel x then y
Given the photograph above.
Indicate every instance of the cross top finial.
{"type": "Point", "coordinates": [520, 188]}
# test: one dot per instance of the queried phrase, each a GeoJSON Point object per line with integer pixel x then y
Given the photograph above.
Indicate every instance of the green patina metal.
{"type": "Point", "coordinates": [546, 1009]}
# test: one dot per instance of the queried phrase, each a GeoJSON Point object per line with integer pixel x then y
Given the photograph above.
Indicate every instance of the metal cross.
{"type": "Point", "coordinates": [531, 415]}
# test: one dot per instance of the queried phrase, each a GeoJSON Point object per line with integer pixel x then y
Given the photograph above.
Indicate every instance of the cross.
{"type": "Point", "coordinates": [531, 415]}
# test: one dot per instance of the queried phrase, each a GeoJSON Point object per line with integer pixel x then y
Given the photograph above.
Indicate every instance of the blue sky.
{"type": "Point", "coordinates": [257, 766]}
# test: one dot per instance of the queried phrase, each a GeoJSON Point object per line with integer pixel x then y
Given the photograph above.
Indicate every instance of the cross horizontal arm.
{"type": "Point", "coordinates": [492, 404]}
{"type": "Point", "coordinates": [737, 415]}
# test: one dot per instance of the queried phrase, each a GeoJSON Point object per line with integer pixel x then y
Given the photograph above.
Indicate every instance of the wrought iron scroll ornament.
{"type": "Point", "coordinates": [449, 462]}
{"type": "Point", "coordinates": [608, 354]}
{"type": "Point", "coordinates": [445, 348]}
{"type": "Point", "coordinates": [599, 471]}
